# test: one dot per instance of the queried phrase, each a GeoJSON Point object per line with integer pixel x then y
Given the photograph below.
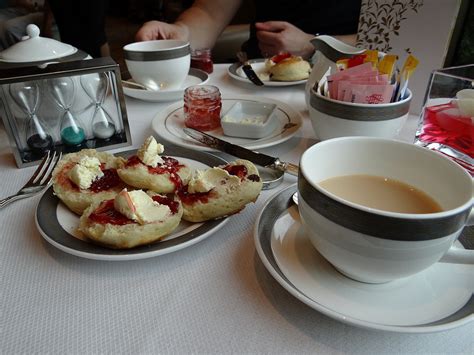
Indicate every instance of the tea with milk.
{"type": "Point", "coordinates": [381, 193]}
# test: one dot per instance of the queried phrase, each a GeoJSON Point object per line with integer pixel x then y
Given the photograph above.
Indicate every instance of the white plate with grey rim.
{"type": "Point", "coordinates": [258, 65]}
{"type": "Point", "coordinates": [195, 77]}
{"type": "Point", "coordinates": [169, 123]}
{"type": "Point", "coordinates": [437, 299]}
{"type": "Point", "coordinates": [58, 225]}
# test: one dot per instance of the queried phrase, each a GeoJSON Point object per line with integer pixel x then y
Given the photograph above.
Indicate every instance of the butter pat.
{"type": "Point", "coordinates": [250, 119]}
{"type": "Point", "coordinates": [85, 172]}
{"type": "Point", "coordinates": [149, 152]}
{"type": "Point", "coordinates": [140, 207]}
{"type": "Point", "coordinates": [205, 181]}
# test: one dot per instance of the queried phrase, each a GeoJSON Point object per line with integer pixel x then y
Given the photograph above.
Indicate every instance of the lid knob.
{"type": "Point", "coordinates": [32, 30]}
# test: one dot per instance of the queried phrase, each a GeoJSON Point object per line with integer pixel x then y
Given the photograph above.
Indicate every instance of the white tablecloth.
{"type": "Point", "coordinates": [213, 297]}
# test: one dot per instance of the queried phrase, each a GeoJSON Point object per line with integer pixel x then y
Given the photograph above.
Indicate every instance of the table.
{"type": "Point", "coordinates": [213, 297]}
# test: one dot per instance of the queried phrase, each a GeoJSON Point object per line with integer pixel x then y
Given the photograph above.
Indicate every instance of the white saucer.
{"type": "Point", "coordinates": [169, 123]}
{"type": "Point", "coordinates": [436, 299]}
{"type": "Point", "coordinates": [195, 77]}
{"type": "Point", "coordinates": [258, 65]}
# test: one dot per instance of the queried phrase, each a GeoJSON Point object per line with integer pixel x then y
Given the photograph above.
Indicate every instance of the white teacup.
{"type": "Point", "coordinates": [159, 64]}
{"type": "Point", "coordinates": [372, 245]}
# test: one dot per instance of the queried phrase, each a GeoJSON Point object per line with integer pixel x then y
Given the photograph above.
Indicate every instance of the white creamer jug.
{"type": "Point", "coordinates": [328, 51]}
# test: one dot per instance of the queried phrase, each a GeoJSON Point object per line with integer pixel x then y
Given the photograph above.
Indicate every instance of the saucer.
{"type": "Point", "coordinates": [195, 77]}
{"type": "Point", "coordinates": [258, 65]}
{"type": "Point", "coordinates": [437, 299]}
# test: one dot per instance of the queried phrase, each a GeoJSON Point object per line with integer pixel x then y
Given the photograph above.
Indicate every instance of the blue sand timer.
{"type": "Point", "coordinates": [26, 96]}
{"type": "Point", "coordinates": [96, 86]}
{"type": "Point", "coordinates": [63, 92]}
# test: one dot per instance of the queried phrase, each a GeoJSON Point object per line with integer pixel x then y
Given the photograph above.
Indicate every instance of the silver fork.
{"type": "Point", "coordinates": [38, 182]}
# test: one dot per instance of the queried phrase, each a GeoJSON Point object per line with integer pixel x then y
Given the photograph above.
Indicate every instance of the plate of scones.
{"type": "Point", "coordinates": [280, 70]}
{"type": "Point", "coordinates": [143, 203]}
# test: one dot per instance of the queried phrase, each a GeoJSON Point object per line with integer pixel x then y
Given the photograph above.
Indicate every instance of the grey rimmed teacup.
{"type": "Point", "coordinates": [159, 64]}
{"type": "Point", "coordinates": [376, 246]}
{"type": "Point", "coordinates": [332, 118]}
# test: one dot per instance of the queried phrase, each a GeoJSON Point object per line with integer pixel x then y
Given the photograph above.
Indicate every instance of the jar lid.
{"type": "Point", "coordinates": [34, 48]}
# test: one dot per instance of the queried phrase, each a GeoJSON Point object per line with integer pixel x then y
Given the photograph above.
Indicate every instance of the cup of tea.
{"type": "Point", "coordinates": [158, 64]}
{"type": "Point", "coordinates": [380, 210]}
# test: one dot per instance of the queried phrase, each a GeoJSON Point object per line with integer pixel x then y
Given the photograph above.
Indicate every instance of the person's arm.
{"type": "Point", "coordinates": [201, 24]}
{"type": "Point", "coordinates": [275, 37]}
{"type": "Point", "coordinates": [47, 26]}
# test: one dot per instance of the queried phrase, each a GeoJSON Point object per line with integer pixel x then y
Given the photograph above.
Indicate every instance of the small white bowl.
{"type": "Point", "coordinates": [248, 119]}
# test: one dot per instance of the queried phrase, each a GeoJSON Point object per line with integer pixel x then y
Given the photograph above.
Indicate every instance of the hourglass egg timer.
{"type": "Point", "coordinates": [63, 92]}
{"type": "Point", "coordinates": [27, 96]}
{"type": "Point", "coordinates": [96, 87]}
{"type": "Point", "coordinates": [65, 106]}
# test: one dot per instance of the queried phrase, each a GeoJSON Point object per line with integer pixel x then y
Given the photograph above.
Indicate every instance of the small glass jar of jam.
{"type": "Point", "coordinates": [202, 107]}
{"type": "Point", "coordinates": [201, 59]}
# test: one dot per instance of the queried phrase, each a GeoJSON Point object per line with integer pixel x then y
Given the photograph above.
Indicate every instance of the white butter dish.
{"type": "Point", "coordinates": [249, 119]}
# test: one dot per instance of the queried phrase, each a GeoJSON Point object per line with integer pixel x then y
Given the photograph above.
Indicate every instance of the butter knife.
{"type": "Point", "coordinates": [241, 152]}
{"type": "Point", "coordinates": [248, 70]}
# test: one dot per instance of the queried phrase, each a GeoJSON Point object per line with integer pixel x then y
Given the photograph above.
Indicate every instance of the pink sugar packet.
{"type": "Point", "coordinates": [371, 94]}
{"type": "Point", "coordinates": [359, 70]}
{"type": "Point", "coordinates": [344, 86]}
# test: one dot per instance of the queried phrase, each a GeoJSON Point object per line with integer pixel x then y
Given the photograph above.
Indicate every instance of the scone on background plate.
{"type": "Point", "coordinates": [86, 176]}
{"type": "Point", "coordinates": [220, 191]}
{"type": "Point", "coordinates": [148, 170]}
{"type": "Point", "coordinates": [131, 219]}
{"type": "Point", "coordinates": [287, 67]}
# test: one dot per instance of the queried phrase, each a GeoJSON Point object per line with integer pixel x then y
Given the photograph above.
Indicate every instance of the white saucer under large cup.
{"type": "Point", "coordinates": [437, 299]}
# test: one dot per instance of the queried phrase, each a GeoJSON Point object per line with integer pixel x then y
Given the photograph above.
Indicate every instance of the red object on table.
{"type": "Point", "coordinates": [201, 59]}
{"type": "Point", "coordinates": [202, 107]}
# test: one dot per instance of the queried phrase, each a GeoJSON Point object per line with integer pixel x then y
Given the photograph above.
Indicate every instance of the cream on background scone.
{"type": "Point", "coordinates": [220, 191]}
{"type": "Point", "coordinates": [86, 176]}
{"type": "Point", "coordinates": [131, 219]}
{"type": "Point", "coordinates": [287, 67]}
{"type": "Point", "coordinates": [151, 171]}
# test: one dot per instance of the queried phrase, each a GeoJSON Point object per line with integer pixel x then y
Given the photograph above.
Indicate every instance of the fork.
{"type": "Point", "coordinates": [38, 182]}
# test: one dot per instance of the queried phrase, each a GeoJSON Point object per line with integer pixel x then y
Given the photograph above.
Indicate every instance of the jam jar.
{"type": "Point", "coordinates": [201, 59]}
{"type": "Point", "coordinates": [202, 107]}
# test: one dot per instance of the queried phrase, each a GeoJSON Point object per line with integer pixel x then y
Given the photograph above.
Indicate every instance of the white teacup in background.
{"type": "Point", "coordinates": [372, 245]}
{"type": "Point", "coordinates": [159, 64]}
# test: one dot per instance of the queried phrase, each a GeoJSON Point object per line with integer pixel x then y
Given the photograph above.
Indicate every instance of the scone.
{"type": "Point", "coordinates": [220, 191]}
{"type": "Point", "coordinates": [150, 171]}
{"type": "Point", "coordinates": [86, 176]}
{"type": "Point", "coordinates": [131, 219]}
{"type": "Point", "coordinates": [288, 68]}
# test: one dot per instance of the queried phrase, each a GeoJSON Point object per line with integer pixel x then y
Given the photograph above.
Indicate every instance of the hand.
{"type": "Point", "coordinates": [275, 37]}
{"type": "Point", "coordinates": [161, 30]}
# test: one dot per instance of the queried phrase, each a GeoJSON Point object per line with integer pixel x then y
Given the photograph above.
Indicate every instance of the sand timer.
{"type": "Point", "coordinates": [96, 86]}
{"type": "Point", "coordinates": [27, 97]}
{"type": "Point", "coordinates": [63, 92]}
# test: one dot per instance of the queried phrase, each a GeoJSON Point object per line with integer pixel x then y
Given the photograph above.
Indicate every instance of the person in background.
{"type": "Point", "coordinates": [82, 24]}
{"type": "Point", "coordinates": [16, 15]}
{"type": "Point", "coordinates": [280, 26]}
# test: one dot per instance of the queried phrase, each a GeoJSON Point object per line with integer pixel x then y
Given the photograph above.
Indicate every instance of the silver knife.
{"type": "Point", "coordinates": [241, 152]}
{"type": "Point", "coordinates": [248, 70]}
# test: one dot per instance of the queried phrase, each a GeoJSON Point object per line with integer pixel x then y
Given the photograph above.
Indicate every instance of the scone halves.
{"type": "Point", "coordinates": [220, 191]}
{"type": "Point", "coordinates": [131, 219]}
{"type": "Point", "coordinates": [81, 178]}
{"type": "Point", "coordinates": [150, 171]}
